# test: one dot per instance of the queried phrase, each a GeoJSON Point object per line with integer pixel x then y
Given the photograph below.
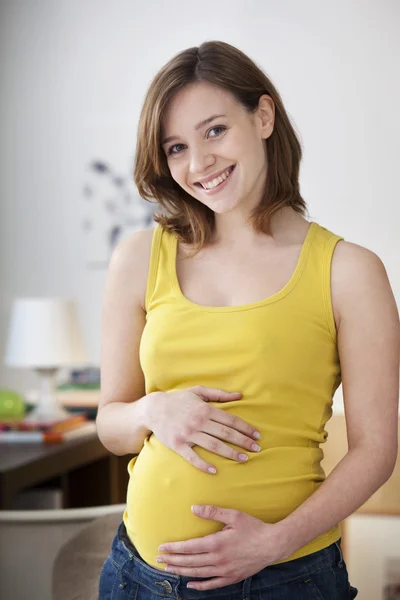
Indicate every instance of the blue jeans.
{"type": "Point", "coordinates": [321, 575]}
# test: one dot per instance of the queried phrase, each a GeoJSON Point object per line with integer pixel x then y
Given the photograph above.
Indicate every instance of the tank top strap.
{"type": "Point", "coordinates": [158, 281]}
{"type": "Point", "coordinates": [315, 285]}
{"type": "Point", "coordinates": [330, 241]}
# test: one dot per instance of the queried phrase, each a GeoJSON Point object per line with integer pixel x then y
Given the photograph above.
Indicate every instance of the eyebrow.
{"type": "Point", "coordinates": [197, 127]}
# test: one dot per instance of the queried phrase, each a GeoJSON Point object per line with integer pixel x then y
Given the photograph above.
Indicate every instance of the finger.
{"type": "Point", "coordinates": [211, 584]}
{"type": "Point", "coordinates": [187, 560]}
{"type": "Point", "coordinates": [232, 421]}
{"type": "Point", "coordinates": [206, 571]}
{"type": "Point", "coordinates": [216, 513]}
{"type": "Point", "coordinates": [215, 394]}
{"type": "Point", "coordinates": [232, 436]}
{"type": "Point", "coordinates": [194, 459]}
{"type": "Point", "coordinates": [193, 546]}
{"type": "Point", "coordinates": [217, 447]}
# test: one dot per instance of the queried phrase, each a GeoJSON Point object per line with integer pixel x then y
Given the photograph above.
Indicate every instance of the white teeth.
{"type": "Point", "coordinates": [212, 184]}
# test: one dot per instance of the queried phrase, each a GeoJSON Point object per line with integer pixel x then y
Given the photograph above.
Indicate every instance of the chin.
{"type": "Point", "coordinates": [224, 207]}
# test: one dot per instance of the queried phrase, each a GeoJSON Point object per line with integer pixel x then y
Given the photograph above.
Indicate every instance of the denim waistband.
{"type": "Point", "coordinates": [169, 585]}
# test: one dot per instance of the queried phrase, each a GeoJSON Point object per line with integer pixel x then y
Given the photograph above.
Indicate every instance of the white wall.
{"type": "Point", "coordinates": [73, 78]}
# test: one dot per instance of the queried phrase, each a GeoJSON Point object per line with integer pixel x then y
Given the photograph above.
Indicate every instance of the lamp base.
{"type": "Point", "coordinates": [48, 409]}
{"type": "Point", "coordinates": [49, 415]}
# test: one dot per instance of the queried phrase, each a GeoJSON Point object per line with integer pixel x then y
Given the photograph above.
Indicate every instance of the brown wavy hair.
{"type": "Point", "coordinates": [223, 65]}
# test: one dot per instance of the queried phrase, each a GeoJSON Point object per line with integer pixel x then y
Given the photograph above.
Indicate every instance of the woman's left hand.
{"type": "Point", "coordinates": [242, 548]}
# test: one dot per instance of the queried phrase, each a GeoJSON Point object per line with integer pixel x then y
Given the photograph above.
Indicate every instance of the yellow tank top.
{"type": "Point", "coordinates": [281, 354]}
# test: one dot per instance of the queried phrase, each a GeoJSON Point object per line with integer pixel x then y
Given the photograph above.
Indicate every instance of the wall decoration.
{"type": "Point", "coordinates": [113, 210]}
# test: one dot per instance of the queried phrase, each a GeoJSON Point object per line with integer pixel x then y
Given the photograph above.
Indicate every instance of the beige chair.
{"type": "Point", "coordinates": [77, 567]}
{"type": "Point", "coordinates": [31, 539]}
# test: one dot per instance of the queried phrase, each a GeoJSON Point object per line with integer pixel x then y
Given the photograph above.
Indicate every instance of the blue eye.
{"type": "Point", "coordinates": [221, 127]}
{"type": "Point", "coordinates": [170, 150]}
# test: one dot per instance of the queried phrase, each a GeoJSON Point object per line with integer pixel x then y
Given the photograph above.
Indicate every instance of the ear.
{"type": "Point", "coordinates": [266, 115]}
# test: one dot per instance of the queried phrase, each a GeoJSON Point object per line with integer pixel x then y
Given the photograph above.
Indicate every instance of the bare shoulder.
{"type": "Point", "coordinates": [134, 248]}
{"type": "Point", "coordinates": [356, 273]}
{"type": "Point", "coordinates": [131, 260]}
{"type": "Point", "coordinates": [349, 257]}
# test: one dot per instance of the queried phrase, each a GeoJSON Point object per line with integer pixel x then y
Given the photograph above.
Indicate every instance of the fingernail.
{"type": "Point", "coordinates": [243, 456]}
{"type": "Point", "coordinates": [256, 435]}
{"type": "Point", "coordinates": [212, 470]}
{"type": "Point", "coordinates": [256, 447]}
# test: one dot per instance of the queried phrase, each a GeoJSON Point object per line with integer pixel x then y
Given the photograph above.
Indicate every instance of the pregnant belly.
{"type": "Point", "coordinates": [163, 486]}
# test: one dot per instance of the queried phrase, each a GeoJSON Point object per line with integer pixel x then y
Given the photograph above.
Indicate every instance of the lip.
{"type": "Point", "coordinates": [208, 179]}
{"type": "Point", "coordinates": [219, 187]}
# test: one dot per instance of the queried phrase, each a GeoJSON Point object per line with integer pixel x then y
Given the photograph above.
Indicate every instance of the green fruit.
{"type": "Point", "coordinates": [12, 405]}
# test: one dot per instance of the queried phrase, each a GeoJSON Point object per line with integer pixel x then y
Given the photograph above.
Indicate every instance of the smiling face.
{"type": "Point", "coordinates": [215, 149]}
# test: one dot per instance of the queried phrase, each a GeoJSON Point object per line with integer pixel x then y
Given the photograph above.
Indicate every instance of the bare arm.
{"type": "Point", "coordinates": [122, 427]}
{"type": "Point", "coordinates": [122, 422]}
{"type": "Point", "coordinates": [369, 348]}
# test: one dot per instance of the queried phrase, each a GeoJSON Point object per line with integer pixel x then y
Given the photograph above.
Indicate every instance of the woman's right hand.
{"type": "Point", "coordinates": [181, 419]}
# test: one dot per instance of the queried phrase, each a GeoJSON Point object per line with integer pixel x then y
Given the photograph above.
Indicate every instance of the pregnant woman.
{"type": "Point", "coordinates": [227, 329]}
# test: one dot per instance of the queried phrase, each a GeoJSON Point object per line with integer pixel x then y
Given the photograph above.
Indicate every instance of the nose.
{"type": "Point", "coordinates": [200, 160]}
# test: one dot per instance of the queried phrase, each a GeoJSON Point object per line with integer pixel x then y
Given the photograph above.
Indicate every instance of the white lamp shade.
{"type": "Point", "coordinates": [44, 332]}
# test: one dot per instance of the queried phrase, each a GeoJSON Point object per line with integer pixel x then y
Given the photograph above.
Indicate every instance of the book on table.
{"type": "Point", "coordinates": [71, 422]}
{"type": "Point", "coordinates": [47, 436]}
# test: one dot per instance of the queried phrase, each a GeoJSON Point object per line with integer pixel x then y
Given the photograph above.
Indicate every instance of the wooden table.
{"type": "Point", "coordinates": [87, 473]}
